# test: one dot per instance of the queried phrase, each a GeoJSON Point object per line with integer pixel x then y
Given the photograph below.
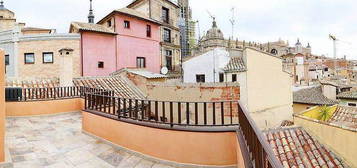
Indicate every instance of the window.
{"type": "Point", "coordinates": [109, 23]}
{"type": "Point", "coordinates": [165, 15]}
{"type": "Point", "coordinates": [148, 31]}
{"type": "Point", "coordinates": [168, 55]}
{"type": "Point", "coordinates": [200, 78]}
{"type": "Point", "coordinates": [126, 24]}
{"type": "Point", "coordinates": [140, 62]}
{"type": "Point", "coordinates": [221, 77]}
{"type": "Point", "coordinates": [29, 58]}
{"type": "Point", "coordinates": [352, 104]}
{"type": "Point", "coordinates": [234, 77]}
{"type": "Point", "coordinates": [100, 64]}
{"type": "Point", "coordinates": [7, 60]}
{"type": "Point", "coordinates": [47, 57]}
{"type": "Point", "coordinates": [167, 35]}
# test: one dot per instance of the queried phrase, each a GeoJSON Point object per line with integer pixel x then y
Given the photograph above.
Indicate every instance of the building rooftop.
{"type": "Point", "coordinates": [347, 95]}
{"type": "Point", "coordinates": [141, 72]}
{"type": "Point", "coordinates": [135, 13]}
{"type": "Point", "coordinates": [294, 147]}
{"type": "Point", "coordinates": [121, 86]}
{"type": "Point", "coordinates": [236, 64]}
{"type": "Point", "coordinates": [35, 83]}
{"type": "Point", "coordinates": [174, 2]}
{"type": "Point", "coordinates": [92, 27]}
{"type": "Point", "coordinates": [345, 116]}
{"type": "Point", "coordinates": [313, 96]}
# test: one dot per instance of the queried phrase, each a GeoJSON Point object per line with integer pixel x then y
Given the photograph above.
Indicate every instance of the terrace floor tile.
{"type": "Point", "coordinates": [58, 142]}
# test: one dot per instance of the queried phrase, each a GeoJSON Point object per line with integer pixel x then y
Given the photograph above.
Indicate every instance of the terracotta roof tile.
{"type": "Point", "coordinates": [294, 147]}
{"type": "Point", "coordinates": [347, 95]}
{"type": "Point", "coordinates": [135, 13]}
{"type": "Point", "coordinates": [346, 116]}
{"type": "Point", "coordinates": [236, 64]}
{"type": "Point", "coordinates": [92, 27]}
{"type": "Point", "coordinates": [313, 96]}
{"type": "Point", "coordinates": [121, 86]}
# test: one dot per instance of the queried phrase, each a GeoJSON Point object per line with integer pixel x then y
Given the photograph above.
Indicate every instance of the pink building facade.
{"type": "Point", "coordinates": [123, 39]}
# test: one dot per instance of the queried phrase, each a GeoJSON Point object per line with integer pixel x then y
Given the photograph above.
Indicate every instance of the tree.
{"type": "Point", "coordinates": [324, 113]}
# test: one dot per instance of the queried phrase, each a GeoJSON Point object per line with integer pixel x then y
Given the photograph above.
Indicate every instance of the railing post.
{"type": "Point", "coordinates": [214, 113]}
{"type": "Point", "coordinates": [196, 113]}
{"type": "Point", "coordinates": [163, 112]}
{"type": "Point", "coordinates": [171, 114]}
{"type": "Point", "coordinates": [179, 112]}
{"type": "Point", "coordinates": [187, 113]}
{"type": "Point", "coordinates": [222, 113]}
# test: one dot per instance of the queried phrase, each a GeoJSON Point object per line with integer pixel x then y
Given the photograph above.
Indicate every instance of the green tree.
{"type": "Point", "coordinates": [324, 114]}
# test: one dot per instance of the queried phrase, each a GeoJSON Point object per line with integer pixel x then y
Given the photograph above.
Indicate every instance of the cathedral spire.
{"type": "Point", "coordinates": [214, 23]}
{"type": "Point", "coordinates": [1, 4]}
{"type": "Point", "coordinates": [91, 14]}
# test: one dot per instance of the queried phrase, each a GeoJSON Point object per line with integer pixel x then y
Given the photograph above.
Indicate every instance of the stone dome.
{"type": "Point", "coordinates": [214, 32]}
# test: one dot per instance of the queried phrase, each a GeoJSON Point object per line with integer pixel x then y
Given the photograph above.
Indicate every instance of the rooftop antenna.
{"type": "Point", "coordinates": [233, 21]}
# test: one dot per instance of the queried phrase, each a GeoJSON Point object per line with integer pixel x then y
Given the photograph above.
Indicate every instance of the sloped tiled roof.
{"type": "Point", "coordinates": [313, 96]}
{"type": "Point", "coordinates": [345, 116]}
{"type": "Point", "coordinates": [236, 64]}
{"type": "Point", "coordinates": [294, 147]}
{"type": "Point", "coordinates": [347, 95]}
{"type": "Point", "coordinates": [92, 27]}
{"type": "Point", "coordinates": [36, 83]}
{"type": "Point", "coordinates": [135, 13]}
{"type": "Point", "coordinates": [141, 72]}
{"type": "Point", "coordinates": [33, 28]}
{"type": "Point", "coordinates": [121, 86]}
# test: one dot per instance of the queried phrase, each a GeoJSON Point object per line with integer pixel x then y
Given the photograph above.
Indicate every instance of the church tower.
{"type": "Point", "coordinates": [298, 47]}
{"type": "Point", "coordinates": [91, 14]}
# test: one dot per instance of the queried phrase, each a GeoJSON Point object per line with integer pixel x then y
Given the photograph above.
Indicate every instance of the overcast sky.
{"type": "Point", "coordinates": [257, 20]}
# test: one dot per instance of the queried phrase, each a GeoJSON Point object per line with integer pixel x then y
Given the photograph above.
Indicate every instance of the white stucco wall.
{"type": "Point", "coordinates": [267, 89]}
{"type": "Point", "coordinates": [206, 64]}
{"type": "Point", "coordinates": [329, 91]}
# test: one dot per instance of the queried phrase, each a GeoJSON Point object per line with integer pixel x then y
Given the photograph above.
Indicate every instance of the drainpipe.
{"type": "Point", "coordinates": [150, 9]}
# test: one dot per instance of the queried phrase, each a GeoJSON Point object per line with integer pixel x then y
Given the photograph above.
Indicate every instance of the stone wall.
{"type": "Point", "coordinates": [162, 90]}
{"type": "Point", "coordinates": [44, 70]}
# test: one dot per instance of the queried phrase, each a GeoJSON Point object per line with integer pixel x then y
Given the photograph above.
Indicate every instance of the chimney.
{"type": "Point", "coordinates": [66, 67]}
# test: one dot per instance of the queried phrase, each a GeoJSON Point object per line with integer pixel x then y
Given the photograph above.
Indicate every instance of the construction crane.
{"type": "Point", "coordinates": [212, 16]}
{"type": "Point", "coordinates": [233, 21]}
{"type": "Point", "coordinates": [334, 40]}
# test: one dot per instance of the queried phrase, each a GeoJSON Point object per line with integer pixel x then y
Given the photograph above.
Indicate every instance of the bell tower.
{"type": "Point", "coordinates": [91, 14]}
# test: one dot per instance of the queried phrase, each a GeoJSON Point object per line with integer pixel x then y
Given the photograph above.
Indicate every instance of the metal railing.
{"type": "Point", "coordinates": [175, 115]}
{"type": "Point", "coordinates": [50, 93]}
{"type": "Point", "coordinates": [261, 152]}
{"type": "Point", "coordinates": [169, 113]}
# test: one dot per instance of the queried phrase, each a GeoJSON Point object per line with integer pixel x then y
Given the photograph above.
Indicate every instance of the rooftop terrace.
{"type": "Point", "coordinates": [57, 141]}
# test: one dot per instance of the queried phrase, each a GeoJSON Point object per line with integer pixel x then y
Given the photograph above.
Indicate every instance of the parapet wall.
{"type": "Point", "coordinates": [32, 108]}
{"type": "Point", "coordinates": [193, 92]}
{"type": "Point", "coordinates": [179, 148]}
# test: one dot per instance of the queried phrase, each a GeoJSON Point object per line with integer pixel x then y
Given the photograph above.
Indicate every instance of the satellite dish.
{"type": "Point", "coordinates": [164, 70]}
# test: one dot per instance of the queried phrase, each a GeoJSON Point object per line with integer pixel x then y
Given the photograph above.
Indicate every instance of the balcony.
{"type": "Point", "coordinates": [161, 120]}
{"type": "Point", "coordinates": [188, 132]}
